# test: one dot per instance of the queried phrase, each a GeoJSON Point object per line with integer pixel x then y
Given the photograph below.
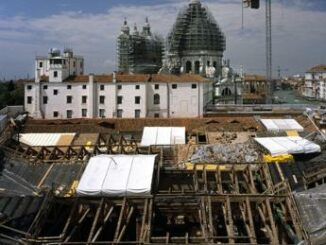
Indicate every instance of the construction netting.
{"type": "Point", "coordinates": [312, 208]}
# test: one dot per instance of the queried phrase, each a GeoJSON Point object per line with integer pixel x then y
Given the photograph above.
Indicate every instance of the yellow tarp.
{"type": "Point", "coordinates": [280, 158]}
{"type": "Point", "coordinates": [208, 167]}
{"type": "Point", "coordinates": [292, 133]}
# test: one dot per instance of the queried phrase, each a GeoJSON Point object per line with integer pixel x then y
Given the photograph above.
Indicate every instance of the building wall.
{"type": "Point", "coordinates": [161, 109]}
{"type": "Point", "coordinates": [129, 92]}
{"type": "Point", "coordinates": [50, 100]}
{"type": "Point", "coordinates": [314, 86]}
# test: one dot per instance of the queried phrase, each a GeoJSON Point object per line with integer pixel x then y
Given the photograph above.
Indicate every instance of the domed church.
{"type": "Point", "coordinates": [196, 43]}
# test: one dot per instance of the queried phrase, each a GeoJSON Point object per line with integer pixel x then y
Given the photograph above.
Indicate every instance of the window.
{"type": "Point", "coordinates": [156, 99]}
{"type": "Point", "coordinates": [156, 115]}
{"type": "Point", "coordinates": [156, 86]}
{"type": "Point", "coordinates": [102, 87]}
{"type": "Point", "coordinates": [55, 74]}
{"type": "Point", "coordinates": [119, 100]}
{"type": "Point", "coordinates": [119, 86]}
{"type": "Point", "coordinates": [69, 99]}
{"type": "Point", "coordinates": [84, 99]}
{"type": "Point", "coordinates": [40, 64]}
{"type": "Point", "coordinates": [188, 66]}
{"type": "Point", "coordinates": [137, 86]}
{"type": "Point", "coordinates": [174, 86]}
{"type": "Point", "coordinates": [69, 113]}
{"type": "Point", "coordinates": [29, 87]}
{"type": "Point", "coordinates": [45, 100]}
{"type": "Point", "coordinates": [102, 113]}
{"type": "Point", "coordinates": [55, 114]}
{"type": "Point", "coordinates": [119, 113]}
{"type": "Point", "coordinates": [84, 86]}
{"type": "Point", "coordinates": [197, 67]}
{"type": "Point", "coordinates": [74, 64]}
{"type": "Point", "coordinates": [137, 113]}
{"type": "Point", "coordinates": [55, 92]}
{"type": "Point", "coordinates": [45, 87]}
{"type": "Point", "coordinates": [69, 87]}
{"type": "Point", "coordinates": [84, 112]}
{"type": "Point", "coordinates": [194, 86]}
{"type": "Point", "coordinates": [137, 100]}
{"type": "Point", "coordinates": [102, 99]}
{"type": "Point", "coordinates": [29, 100]}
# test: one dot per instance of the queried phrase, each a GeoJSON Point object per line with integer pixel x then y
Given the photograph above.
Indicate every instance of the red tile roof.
{"type": "Point", "coordinates": [318, 68]}
{"type": "Point", "coordinates": [254, 77]}
{"type": "Point", "coordinates": [126, 78]}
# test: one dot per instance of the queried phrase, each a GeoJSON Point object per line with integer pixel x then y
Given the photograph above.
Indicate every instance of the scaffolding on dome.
{"type": "Point", "coordinates": [195, 29]}
{"type": "Point", "coordinates": [139, 52]}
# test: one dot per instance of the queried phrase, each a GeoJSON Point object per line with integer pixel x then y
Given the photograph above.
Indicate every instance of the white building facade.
{"type": "Point", "coordinates": [315, 83]}
{"type": "Point", "coordinates": [118, 96]}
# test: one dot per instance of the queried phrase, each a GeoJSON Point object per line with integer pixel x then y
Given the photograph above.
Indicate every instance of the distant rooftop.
{"type": "Point", "coordinates": [318, 68]}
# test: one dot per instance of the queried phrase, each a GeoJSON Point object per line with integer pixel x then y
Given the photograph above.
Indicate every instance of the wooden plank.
{"type": "Point", "coordinates": [122, 211]}
{"type": "Point", "coordinates": [100, 229]}
{"type": "Point", "coordinates": [95, 221]}
{"type": "Point", "coordinates": [125, 225]}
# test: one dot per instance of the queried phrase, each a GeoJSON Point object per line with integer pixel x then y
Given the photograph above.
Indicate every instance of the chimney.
{"type": "Point", "coordinates": [114, 77]}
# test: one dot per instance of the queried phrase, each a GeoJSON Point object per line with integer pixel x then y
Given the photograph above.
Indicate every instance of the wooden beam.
{"type": "Point", "coordinates": [95, 221]}
{"type": "Point", "coordinates": [122, 211]}
{"type": "Point", "coordinates": [100, 229]}
{"type": "Point", "coordinates": [125, 225]}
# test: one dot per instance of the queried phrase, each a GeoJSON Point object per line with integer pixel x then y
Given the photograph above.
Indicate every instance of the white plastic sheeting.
{"type": "Point", "coordinates": [163, 136]}
{"type": "Point", "coordinates": [281, 124]}
{"type": "Point", "coordinates": [45, 139]}
{"type": "Point", "coordinates": [288, 145]}
{"type": "Point", "coordinates": [117, 175]}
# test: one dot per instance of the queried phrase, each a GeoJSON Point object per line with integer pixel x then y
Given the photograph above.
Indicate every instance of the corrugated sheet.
{"type": "Point", "coordinates": [281, 125]}
{"type": "Point", "coordinates": [163, 136]}
{"type": "Point", "coordinates": [45, 139]}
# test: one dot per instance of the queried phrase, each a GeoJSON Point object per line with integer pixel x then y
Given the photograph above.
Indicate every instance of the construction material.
{"type": "Point", "coordinates": [279, 158]}
{"type": "Point", "coordinates": [277, 125]}
{"type": "Point", "coordinates": [163, 136]}
{"type": "Point", "coordinates": [221, 153]}
{"type": "Point", "coordinates": [288, 145]}
{"type": "Point", "coordinates": [117, 175]}
{"type": "Point", "coordinates": [45, 139]}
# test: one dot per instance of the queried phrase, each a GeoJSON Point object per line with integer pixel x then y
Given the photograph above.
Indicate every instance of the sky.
{"type": "Point", "coordinates": [31, 27]}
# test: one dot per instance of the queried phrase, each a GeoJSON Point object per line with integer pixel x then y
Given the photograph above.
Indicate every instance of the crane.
{"type": "Point", "coordinates": [255, 4]}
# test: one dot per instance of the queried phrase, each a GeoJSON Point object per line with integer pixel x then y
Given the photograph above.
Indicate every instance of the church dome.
{"type": "Point", "coordinates": [195, 30]}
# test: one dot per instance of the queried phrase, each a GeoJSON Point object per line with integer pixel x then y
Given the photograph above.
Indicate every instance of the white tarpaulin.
{"type": "Point", "coordinates": [46, 139]}
{"type": "Point", "coordinates": [288, 145]}
{"type": "Point", "coordinates": [117, 175]}
{"type": "Point", "coordinates": [163, 136]}
{"type": "Point", "coordinates": [281, 125]}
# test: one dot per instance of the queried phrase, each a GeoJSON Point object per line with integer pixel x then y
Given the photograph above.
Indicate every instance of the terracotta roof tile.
{"type": "Point", "coordinates": [318, 68]}
{"type": "Point", "coordinates": [126, 78]}
{"type": "Point", "coordinates": [254, 77]}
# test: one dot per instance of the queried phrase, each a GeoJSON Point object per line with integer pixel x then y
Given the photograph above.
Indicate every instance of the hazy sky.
{"type": "Point", "coordinates": [32, 27]}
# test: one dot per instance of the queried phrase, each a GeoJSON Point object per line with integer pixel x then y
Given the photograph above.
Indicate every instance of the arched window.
{"type": "Point", "coordinates": [226, 92]}
{"type": "Point", "coordinates": [188, 66]}
{"type": "Point", "coordinates": [215, 64]}
{"type": "Point", "coordinates": [156, 99]}
{"type": "Point", "coordinates": [197, 65]}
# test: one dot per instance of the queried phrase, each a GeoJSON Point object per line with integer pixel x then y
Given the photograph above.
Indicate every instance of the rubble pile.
{"type": "Point", "coordinates": [221, 153]}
